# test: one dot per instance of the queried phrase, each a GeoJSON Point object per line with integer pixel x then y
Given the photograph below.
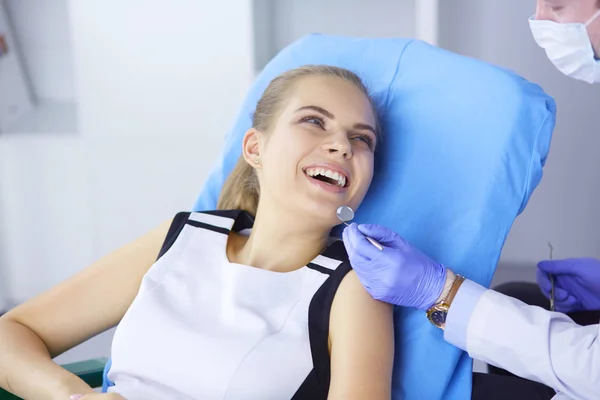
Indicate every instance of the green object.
{"type": "Point", "coordinates": [90, 371]}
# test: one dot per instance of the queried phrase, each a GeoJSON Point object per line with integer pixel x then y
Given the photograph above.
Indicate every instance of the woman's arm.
{"type": "Point", "coordinates": [362, 344]}
{"type": "Point", "coordinates": [88, 303]}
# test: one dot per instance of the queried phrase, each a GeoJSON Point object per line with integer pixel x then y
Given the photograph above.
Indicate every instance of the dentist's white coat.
{"type": "Point", "coordinates": [530, 342]}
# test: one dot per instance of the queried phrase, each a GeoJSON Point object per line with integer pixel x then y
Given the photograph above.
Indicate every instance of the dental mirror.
{"type": "Point", "coordinates": [345, 214]}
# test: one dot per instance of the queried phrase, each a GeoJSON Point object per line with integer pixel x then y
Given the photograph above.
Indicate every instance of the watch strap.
{"type": "Point", "coordinates": [454, 289]}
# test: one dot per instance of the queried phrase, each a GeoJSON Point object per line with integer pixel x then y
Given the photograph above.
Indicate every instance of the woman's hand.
{"type": "Point", "coordinates": [99, 396]}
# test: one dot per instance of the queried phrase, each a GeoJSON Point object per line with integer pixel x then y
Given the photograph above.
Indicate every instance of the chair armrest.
{"type": "Point", "coordinates": [89, 370]}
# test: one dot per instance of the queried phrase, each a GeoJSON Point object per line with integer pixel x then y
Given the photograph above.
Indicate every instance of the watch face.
{"type": "Point", "coordinates": [438, 317]}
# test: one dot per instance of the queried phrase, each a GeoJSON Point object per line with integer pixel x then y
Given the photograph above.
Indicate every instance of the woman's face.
{"type": "Point", "coordinates": [319, 154]}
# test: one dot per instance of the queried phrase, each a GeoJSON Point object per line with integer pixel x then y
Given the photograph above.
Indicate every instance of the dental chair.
{"type": "Point", "coordinates": [464, 144]}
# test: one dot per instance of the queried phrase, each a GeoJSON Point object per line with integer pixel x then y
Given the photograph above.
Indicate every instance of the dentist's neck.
{"type": "Point", "coordinates": [281, 241]}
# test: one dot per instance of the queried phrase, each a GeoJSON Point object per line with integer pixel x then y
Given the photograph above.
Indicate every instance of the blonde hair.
{"type": "Point", "coordinates": [241, 190]}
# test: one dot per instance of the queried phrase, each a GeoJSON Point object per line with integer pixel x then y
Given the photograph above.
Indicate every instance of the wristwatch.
{"type": "Point", "coordinates": [438, 312]}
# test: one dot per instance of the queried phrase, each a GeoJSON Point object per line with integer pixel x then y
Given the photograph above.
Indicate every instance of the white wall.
{"type": "Point", "coordinates": [43, 35]}
{"type": "Point", "coordinates": [374, 18]}
{"type": "Point", "coordinates": [131, 119]}
{"type": "Point", "coordinates": [15, 96]}
{"type": "Point", "coordinates": [150, 68]}
{"type": "Point", "coordinates": [46, 210]}
{"type": "Point", "coordinates": [564, 209]}
{"type": "Point", "coordinates": [153, 100]}
{"type": "Point", "coordinates": [291, 19]}
{"type": "Point", "coordinates": [156, 98]}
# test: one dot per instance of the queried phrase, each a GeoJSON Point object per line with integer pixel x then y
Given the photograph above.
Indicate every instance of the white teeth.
{"type": "Point", "coordinates": [336, 176]}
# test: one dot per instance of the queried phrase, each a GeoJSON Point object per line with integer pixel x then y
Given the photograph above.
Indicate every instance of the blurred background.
{"type": "Point", "coordinates": [112, 113]}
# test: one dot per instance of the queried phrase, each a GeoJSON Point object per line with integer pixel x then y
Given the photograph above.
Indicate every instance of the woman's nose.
{"type": "Point", "coordinates": [340, 146]}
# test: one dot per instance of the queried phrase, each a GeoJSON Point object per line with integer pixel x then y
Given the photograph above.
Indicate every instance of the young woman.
{"type": "Point", "coordinates": [253, 301]}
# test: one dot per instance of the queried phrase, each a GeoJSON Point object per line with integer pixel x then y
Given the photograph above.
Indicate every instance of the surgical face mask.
{"type": "Point", "coordinates": [569, 48]}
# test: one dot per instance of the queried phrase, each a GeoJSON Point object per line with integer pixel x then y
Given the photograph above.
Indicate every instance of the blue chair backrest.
{"type": "Point", "coordinates": [463, 149]}
{"type": "Point", "coordinates": [105, 381]}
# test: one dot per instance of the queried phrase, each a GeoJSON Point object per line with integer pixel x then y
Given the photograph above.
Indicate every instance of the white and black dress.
{"type": "Point", "coordinates": [202, 327]}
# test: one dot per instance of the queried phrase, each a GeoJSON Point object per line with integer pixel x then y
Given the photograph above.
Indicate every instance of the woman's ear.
{"type": "Point", "coordinates": [251, 146]}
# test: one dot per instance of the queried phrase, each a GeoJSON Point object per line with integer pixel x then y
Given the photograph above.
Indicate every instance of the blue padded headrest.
{"type": "Point", "coordinates": [463, 148]}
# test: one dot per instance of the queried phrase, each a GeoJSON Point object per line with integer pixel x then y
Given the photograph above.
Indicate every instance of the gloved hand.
{"type": "Point", "coordinates": [576, 283]}
{"type": "Point", "coordinates": [400, 274]}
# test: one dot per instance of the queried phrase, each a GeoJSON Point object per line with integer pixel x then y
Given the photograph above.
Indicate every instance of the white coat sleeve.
{"type": "Point", "coordinates": [530, 342]}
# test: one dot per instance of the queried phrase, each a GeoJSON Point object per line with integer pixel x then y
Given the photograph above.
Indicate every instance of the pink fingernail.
{"type": "Point", "coordinates": [76, 396]}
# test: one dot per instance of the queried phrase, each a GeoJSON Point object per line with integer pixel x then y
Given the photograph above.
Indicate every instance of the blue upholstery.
{"type": "Point", "coordinates": [105, 381]}
{"type": "Point", "coordinates": [464, 146]}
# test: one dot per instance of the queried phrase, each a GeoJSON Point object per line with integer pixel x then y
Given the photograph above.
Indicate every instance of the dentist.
{"type": "Point", "coordinates": [530, 342]}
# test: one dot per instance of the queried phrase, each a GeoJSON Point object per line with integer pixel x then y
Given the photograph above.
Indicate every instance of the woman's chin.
{"type": "Point", "coordinates": [323, 215]}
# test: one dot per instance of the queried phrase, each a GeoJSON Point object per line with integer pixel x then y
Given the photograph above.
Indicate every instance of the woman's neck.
{"type": "Point", "coordinates": [279, 242]}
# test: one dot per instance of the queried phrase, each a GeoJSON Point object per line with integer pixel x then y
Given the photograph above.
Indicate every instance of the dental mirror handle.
{"type": "Point", "coordinates": [552, 288]}
{"type": "Point", "coordinates": [373, 241]}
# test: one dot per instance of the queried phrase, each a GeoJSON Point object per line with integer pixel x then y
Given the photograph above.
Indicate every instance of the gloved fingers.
{"type": "Point", "coordinates": [557, 267]}
{"type": "Point", "coordinates": [349, 238]}
{"type": "Point", "coordinates": [543, 281]}
{"type": "Point", "coordinates": [378, 232]}
{"type": "Point", "coordinates": [567, 305]}
{"type": "Point", "coordinates": [561, 294]}
{"type": "Point", "coordinates": [358, 245]}
{"type": "Point", "coordinates": [368, 250]}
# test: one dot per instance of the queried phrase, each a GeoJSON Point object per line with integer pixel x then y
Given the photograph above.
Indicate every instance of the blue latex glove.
{"type": "Point", "coordinates": [400, 274]}
{"type": "Point", "coordinates": [576, 282]}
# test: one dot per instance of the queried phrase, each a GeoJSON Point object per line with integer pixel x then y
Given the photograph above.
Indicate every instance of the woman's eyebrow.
{"type": "Point", "coordinates": [365, 127]}
{"type": "Point", "coordinates": [317, 109]}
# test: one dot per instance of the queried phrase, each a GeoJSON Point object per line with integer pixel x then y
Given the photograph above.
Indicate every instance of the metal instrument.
{"type": "Point", "coordinates": [345, 214]}
{"type": "Point", "coordinates": [551, 281]}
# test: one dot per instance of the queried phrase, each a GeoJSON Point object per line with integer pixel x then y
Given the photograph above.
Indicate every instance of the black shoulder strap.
{"type": "Point", "coordinates": [242, 220]}
{"type": "Point", "coordinates": [176, 226]}
{"type": "Point", "coordinates": [316, 385]}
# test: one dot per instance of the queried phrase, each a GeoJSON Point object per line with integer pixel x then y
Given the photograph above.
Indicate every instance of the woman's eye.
{"type": "Point", "coordinates": [314, 121]}
{"type": "Point", "coordinates": [366, 139]}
